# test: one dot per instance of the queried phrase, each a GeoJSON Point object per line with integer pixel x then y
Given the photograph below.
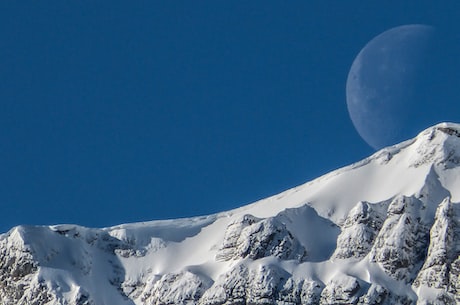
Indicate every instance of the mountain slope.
{"type": "Point", "coordinates": [382, 231]}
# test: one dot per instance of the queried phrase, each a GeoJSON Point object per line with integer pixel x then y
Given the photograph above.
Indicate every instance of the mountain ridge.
{"type": "Point", "coordinates": [383, 230]}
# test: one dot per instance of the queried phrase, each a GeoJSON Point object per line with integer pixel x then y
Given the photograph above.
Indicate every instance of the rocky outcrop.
{"type": "Point", "coordinates": [250, 237]}
{"type": "Point", "coordinates": [230, 288]}
{"type": "Point", "coordinates": [359, 231]}
{"type": "Point", "coordinates": [311, 292]}
{"type": "Point", "coordinates": [378, 295]}
{"type": "Point", "coordinates": [341, 290]}
{"type": "Point", "coordinates": [271, 284]}
{"type": "Point", "coordinates": [454, 279]}
{"type": "Point", "coordinates": [438, 270]}
{"type": "Point", "coordinates": [438, 146]}
{"type": "Point", "coordinates": [262, 284]}
{"type": "Point", "coordinates": [402, 241]}
{"type": "Point", "coordinates": [18, 273]}
{"type": "Point", "coordinates": [435, 270]}
{"type": "Point", "coordinates": [181, 288]}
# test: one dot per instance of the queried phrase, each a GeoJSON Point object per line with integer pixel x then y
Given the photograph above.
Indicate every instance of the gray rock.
{"type": "Point", "coordinates": [230, 288]}
{"type": "Point", "coordinates": [359, 231]}
{"type": "Point", "coordinates": [402, 241]}
{"type": "Point", "coordinates": [180, 288]}
{"type": "Point", "coordinates": [254, 238]}
{"type": "Point", "coordinates": [340, 291]}
{"type": "Point", "coordinates": [19, 284]}
{"type": "Point", "coordinates": [441, 251]}
{"type": "Point", "coordinates": [378, 295]}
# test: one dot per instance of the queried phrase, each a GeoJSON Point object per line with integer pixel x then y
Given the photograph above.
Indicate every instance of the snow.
{"type": "Point", "coordinates": [71, 256]}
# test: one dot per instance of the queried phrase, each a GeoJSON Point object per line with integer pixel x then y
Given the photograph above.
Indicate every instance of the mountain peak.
{"type": "Point", "coordinates": [439, 145]}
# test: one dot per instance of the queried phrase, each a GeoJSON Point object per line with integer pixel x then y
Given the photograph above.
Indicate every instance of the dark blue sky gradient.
{"type": "Point", "coordinates": [114, 112]}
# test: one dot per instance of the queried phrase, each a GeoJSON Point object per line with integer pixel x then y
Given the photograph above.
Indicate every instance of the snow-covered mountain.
{"type": "Point", "coordinates": [382, 231]}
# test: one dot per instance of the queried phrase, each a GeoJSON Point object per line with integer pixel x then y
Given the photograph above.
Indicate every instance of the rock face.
{"type": "Point", "coordinates": [343, 290]}
{"type": "Point", "coordinates": [264, 284]}
{"type": "Point", "coordinates": [175, 288]}
{"type": "Point", "coordinates": [440, 269]}
{"type": "Point", "coordinates": [402, 241]}
{"type": "Point", "coordinates": [17, 270]}
{"type": "Point", "coordinates": [383, 231]}
{"type": "Point", "coordinates": [255, 238]}
{"type": "Point", "coordinates": [359, 231]}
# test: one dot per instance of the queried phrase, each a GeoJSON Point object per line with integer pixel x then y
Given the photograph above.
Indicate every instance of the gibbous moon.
{"type": "Point", "coordinates": [382, 84]}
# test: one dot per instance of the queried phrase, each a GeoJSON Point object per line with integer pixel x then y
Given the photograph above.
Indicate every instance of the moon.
{"type": "Point", "coordinates": [382, 84]}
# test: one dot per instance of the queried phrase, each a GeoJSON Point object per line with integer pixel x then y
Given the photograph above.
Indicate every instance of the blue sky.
{"type": "Point", "coordinates": [115, 112]}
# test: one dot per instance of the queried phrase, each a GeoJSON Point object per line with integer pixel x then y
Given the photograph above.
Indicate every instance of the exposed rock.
{"type": "Point", "coordinates": [442, 298]}
{"type": "Point", "coordinates": [175, 288]}
{"type": "Point", "coordinates": [254, 238]}
{"type": "Point", "coordinates": [341, 290]}
{"type": "Point", "coordinates": [311, 292]}
{"type": "Point", "coordinates": [441, 251]}
{"type": "Point", "coordinates": [290, 292]}
{"type": "Point", "coordinates": [230, 244]}
{"type": "Point", "coordinates": [19, 283]}
{"type": "Point", "coordinates": [401, 243]}
{"type": "Point", "coordinates": [454, 279]}
{"type": "Point", "coordinates": [378, 295]}
{"type": "Point", "coordinates": [267, 283]}
{"type": "Point", "coordinates": [261, 284]}
{"type": "Point", "coordinates": [358, 232]}
{"type": "Point", "coordinates": [438, 146]}
{"type": "Point", "coordinates": [230, 288]}
{"type": "Point", "coordinates": [439, 270]}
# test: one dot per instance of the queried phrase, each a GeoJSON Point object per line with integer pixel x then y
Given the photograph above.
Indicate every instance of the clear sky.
{"type": "Point", "coordinates": [125, 111]}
